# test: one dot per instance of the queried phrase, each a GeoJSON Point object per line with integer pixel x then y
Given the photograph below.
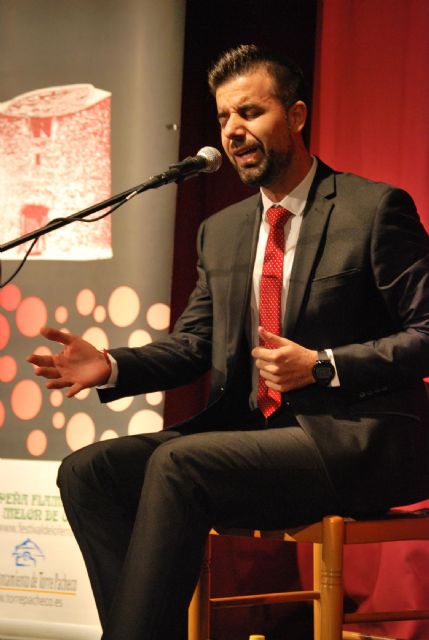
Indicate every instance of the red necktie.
{"type": "Point", "coordinates": [270, 297]}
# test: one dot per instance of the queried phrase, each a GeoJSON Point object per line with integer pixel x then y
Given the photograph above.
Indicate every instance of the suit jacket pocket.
{"type": "Point", "coordinates": [324, 284]}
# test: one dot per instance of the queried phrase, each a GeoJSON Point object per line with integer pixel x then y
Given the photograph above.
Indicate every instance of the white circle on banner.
{"type": "Point", "coordinates": [158, 316]}
{"type": "Point", "coordinates": [154, 398]}
{"type": "Point", "coordinates": [121, 404]}
{"type": "Point", "coordinates": [145, 421]}
{"type": "Point", "coordinates": [109, 434]}
{"type": "Point", "coordinates": [123, 306]}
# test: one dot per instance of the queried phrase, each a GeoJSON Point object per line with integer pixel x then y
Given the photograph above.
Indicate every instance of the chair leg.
{"type": "Point", "coordinates": [317, 568]}
{"type": "Point", "coordinates": [331, 587]}
{"type": "Point", "coordinates": [199, 609]}
{"type": "Point", "coordinates": [194, 615]}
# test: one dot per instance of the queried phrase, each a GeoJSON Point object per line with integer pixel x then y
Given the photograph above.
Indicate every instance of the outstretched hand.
{"type": "Point", "coordinates": [285, 365]}
{"type": "Point", "coordinates": [78, 366]}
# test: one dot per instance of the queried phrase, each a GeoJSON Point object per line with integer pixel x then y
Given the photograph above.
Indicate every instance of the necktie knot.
{"type": "Point", "coordinates": [278, 216]}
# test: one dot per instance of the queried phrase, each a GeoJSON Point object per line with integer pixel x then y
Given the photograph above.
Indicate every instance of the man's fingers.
{"type": "Point", "coordinates": [58, 383]}
{"type": "Point", "coordinates": [266, 356]}
{"type": "Point", "coordinates": [40, 361]}
{"type": "Point", "coordinates": [56, 335]}
{"type": "Point", "coordinates": [47, 372]}
{"type": "Point", "coordinates": [74, 389]}
{"type": "Point", "coordinates": [272, 338]}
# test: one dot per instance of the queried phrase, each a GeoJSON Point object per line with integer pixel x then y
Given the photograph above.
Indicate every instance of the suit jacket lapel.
{"type": "Point", "coordinates": [241, 277]}
{"type": "Point", "coordinates": [316, 215]}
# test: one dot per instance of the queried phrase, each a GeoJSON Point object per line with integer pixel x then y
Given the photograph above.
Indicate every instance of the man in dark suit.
{"type": "Point", "coordinates": [347, 428]}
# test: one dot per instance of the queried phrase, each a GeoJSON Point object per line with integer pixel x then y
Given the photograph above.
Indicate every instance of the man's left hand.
{"type": "Point", "coordinates": [285, 365]}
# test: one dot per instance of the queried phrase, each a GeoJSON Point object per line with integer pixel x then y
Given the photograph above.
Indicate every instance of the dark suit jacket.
{"type": "Point", "coordinates": [359, 285]}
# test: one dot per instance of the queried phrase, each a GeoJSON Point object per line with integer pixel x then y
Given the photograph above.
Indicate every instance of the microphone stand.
{"type": "Point", "coordinates": [173, 174]}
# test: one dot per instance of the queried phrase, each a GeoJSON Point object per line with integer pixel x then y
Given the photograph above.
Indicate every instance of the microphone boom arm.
{"type": "Point", "coordinates": [171, 175]}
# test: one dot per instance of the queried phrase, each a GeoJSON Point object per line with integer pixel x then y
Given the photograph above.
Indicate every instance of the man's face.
{"type": "Point", "coordinates": [254, 129]}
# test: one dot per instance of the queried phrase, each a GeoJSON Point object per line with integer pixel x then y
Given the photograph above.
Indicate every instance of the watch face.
{"type": "Point", "coordinates": [323, 372]}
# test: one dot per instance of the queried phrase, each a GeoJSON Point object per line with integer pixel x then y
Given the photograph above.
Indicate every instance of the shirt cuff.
{"type": "Point", "coordinates": [111, 382]}
{"type": "Point", "coordinates": [335, 382]}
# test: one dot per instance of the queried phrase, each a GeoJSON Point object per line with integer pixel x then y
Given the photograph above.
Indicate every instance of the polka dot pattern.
{"type": "Point", "coordinates": [270, 296]}
{"type": "Point", "coordinates": [49, 425]}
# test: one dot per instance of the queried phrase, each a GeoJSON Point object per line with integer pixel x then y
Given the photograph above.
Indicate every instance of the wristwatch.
{"type": "Point", "coordinates": [323, 370]}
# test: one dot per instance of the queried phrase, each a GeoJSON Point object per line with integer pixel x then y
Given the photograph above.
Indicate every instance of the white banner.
{"type": "Point", "coordinates": [44, 588]}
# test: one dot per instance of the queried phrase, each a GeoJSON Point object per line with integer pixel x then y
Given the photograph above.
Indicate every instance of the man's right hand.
{"type": "Point", "coordinates": [78, 366]}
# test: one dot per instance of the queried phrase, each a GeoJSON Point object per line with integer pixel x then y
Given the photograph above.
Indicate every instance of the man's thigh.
{"type": "Point", "coordinates": [263, 478]}
{"type": "Point", "coordinates": [112, 468]}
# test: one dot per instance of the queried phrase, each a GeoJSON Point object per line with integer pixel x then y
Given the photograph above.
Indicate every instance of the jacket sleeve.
{"type": "Point", "coordinates": [399, 254]}
{"type": "Point", "coordinates": [180, 358]}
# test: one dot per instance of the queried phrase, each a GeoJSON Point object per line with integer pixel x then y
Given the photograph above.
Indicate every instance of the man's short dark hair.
{"type": "Point", "coordinates": [289, 82]}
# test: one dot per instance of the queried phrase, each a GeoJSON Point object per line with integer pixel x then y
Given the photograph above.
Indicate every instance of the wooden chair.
{"type": "Point", "coordinates": [328, 538]}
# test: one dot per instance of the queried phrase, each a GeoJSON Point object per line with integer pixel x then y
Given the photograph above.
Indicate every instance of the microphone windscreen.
{"type": "Point", "coordinates": [212, 157]}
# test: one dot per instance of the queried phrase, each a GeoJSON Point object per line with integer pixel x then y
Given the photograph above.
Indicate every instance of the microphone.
{"type": "Point", "coordinates": [207, 160]}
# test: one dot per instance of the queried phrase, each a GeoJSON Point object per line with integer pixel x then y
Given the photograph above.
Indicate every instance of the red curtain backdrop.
{"type": "Point", "coordinates": [371, 97]}
{"type": "Point", "coordinates": [370, 116]}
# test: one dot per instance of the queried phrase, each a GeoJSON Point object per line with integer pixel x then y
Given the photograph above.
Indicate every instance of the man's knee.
{"type": "Point", "coordinates": [175, 460]}
{"type": "Point", "coordinates": [78, 465]}
{"type": "Point", "coordinates": [110, 464]}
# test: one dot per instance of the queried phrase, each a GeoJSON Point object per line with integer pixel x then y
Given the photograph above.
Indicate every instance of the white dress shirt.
{"type": "Point", "coordinates": [294, 202]}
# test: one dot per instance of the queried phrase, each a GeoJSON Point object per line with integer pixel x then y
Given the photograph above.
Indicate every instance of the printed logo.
{"type": "Point", "coordinates": [27, 554]}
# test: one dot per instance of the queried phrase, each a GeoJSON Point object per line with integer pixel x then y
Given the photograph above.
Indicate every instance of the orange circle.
{"type": "Point", "coordinates": [31, 316]}
{"type": "Point", "coordinates": [58, 420]}
{"type": "Point", "coordinates": [100, 313]}
{"type": "Point", "coordinates": [56, 398]}
{"type": "Point", "coordinates": [8, 369]}
{"type": "Point", "coordinates": [97, 337]}
{"type": "Point", "coordinates": [10, 297]}
{"type": "Point", "coordinates": [85, 302]}
{"type": "Point", "coordinates": [2, 414]}
{"type": "Point", "coordinates": [61, 314]}
{"type": "Point", "coordinates": [4, 331]}
{"type": "Point", "coordinates": [26, 399]}
{"type": "Point", "coordinates": [37, 442]}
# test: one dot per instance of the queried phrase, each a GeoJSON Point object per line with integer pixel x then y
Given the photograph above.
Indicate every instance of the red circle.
{"type": "Point", "coordinates": [10, 297]}
{"type": "Point", "coordinates": [31, 316]}
{"type": "Point", "coordinates": [4, 331]}
{"type": "Point", "coordinates": [26, 399]}
{"type": "Point", "coordinates": [37, 442]}
{"type": "Point", "coordinates": [8, 368]}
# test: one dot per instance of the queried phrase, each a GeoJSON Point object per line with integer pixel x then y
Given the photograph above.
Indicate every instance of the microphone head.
{"type": "Point", "coordinates": [212, 157]}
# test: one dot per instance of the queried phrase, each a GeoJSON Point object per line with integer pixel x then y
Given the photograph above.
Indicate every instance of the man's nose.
{"type": "Point", "coordinates": [234, 128]}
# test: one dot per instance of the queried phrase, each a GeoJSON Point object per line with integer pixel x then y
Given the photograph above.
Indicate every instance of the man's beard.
{"type": "Point", "coordinates": [273, 164]}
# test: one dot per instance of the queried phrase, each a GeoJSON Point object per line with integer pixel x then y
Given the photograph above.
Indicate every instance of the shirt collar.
{"type": "Point", "coordinates": [296, 200]}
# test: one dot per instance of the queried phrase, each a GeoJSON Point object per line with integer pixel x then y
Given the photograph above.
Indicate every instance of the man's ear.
{"type": "Point", "coordinates": [297, 116]}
